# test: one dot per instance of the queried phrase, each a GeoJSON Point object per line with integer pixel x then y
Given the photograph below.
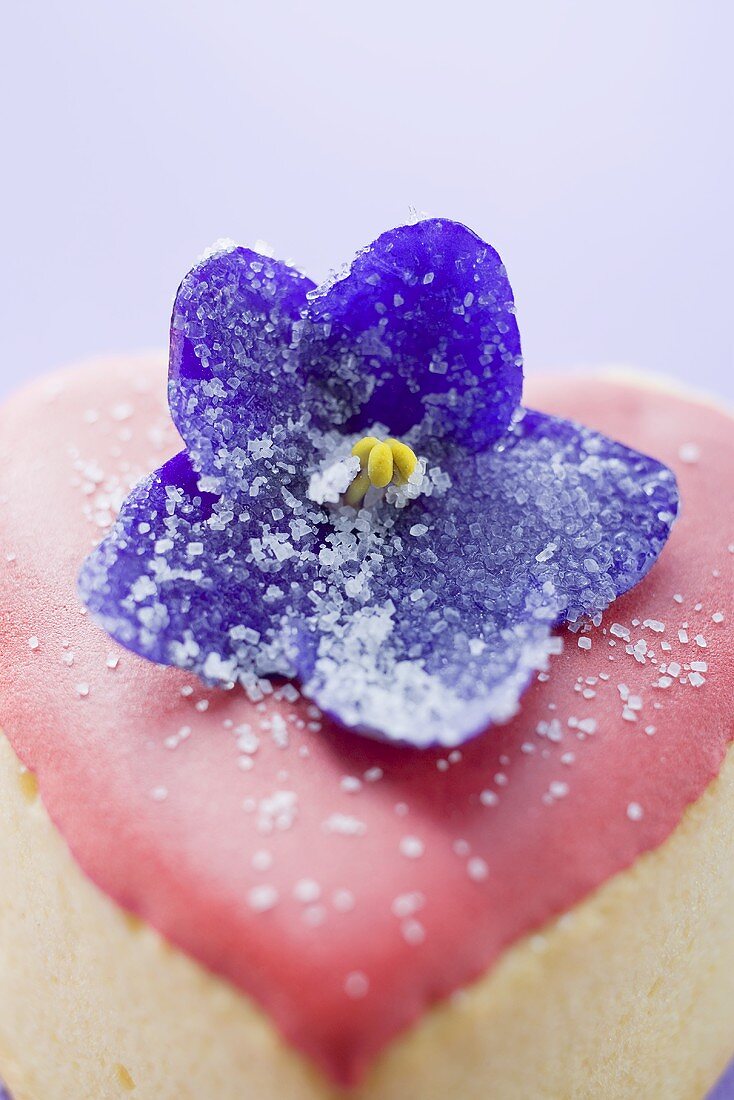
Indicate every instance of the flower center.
{"type": "Point", "coordinates": [379, 464]}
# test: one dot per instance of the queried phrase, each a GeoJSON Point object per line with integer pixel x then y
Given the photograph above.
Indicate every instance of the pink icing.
{"type": "Point", "coordinates": [346, 912]}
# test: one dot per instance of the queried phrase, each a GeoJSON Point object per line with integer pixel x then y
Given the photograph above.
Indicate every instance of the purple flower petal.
{"type": "Point", "coordinates": [419, 334]}
{"type": "Point", "coordinates": [234, 373]}
{"type": "Point", "coordinates": [422, 624]}
{"type": "Point", "coordinates": [554, 523]}
{"type": "Point", "coordinates": [206, 582]}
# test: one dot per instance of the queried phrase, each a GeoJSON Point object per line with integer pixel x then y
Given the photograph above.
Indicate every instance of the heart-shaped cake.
{"type": "Point", "coordinates": [210, 892]}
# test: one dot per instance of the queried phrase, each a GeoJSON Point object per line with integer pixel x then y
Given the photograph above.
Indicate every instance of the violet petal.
{"type": "Point", "coordinates": [233, 370]}
{"type": "Point", "coordinates": [420, 334]}
{"type": "Point", "coordinates": [554, 523]}
{"type": "Point", "coordinates": [202, 581]}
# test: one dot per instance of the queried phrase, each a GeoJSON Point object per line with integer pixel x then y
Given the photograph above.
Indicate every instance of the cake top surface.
{"type": "Point", "coordinates": [348, 885]}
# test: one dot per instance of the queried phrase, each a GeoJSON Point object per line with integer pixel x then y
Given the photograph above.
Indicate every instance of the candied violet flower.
{"type": "Point", "coordinates": [362, 502]}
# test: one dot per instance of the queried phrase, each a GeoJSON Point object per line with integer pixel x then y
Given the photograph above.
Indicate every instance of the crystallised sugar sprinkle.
{"type": "Point", "coordinates": [689, 453]}
{"type": "Point", "coordinates": [477, 869]}
{"type": "Point", "coordinates": [356, 985]}
{"type": "Point", "coordinates": [418, 603]}
{"type": "Point", "coordinates": [262, 898]}
{"type": "Point", "coordinates": [411, 847]}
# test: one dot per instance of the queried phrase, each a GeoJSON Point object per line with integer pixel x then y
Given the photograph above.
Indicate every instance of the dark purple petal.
{"type": "Point", "coordinates": [419, 334]}
{"type": "Point", "coordinates": [233, 372]}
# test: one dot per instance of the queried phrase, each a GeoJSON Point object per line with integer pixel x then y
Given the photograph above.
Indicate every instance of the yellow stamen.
{"type": "Point", "coordinates": [357, 491]}
{"type": "Point", "coordinates": [362, 449]}
{"type": "Point", "coordinates": [404, 459]}
{"type": "Point", "coordinates": [380, 463]}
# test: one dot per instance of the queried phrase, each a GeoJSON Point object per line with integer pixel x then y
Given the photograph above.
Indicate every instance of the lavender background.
{"type": "Point", "coordinates": [725, 1089]}
{"type": "Point", "coordinates": [589, 142]}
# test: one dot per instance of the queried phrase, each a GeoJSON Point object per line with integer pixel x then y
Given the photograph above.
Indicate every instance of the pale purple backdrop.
{"type": "Point", "coordinates": [590, 142]}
